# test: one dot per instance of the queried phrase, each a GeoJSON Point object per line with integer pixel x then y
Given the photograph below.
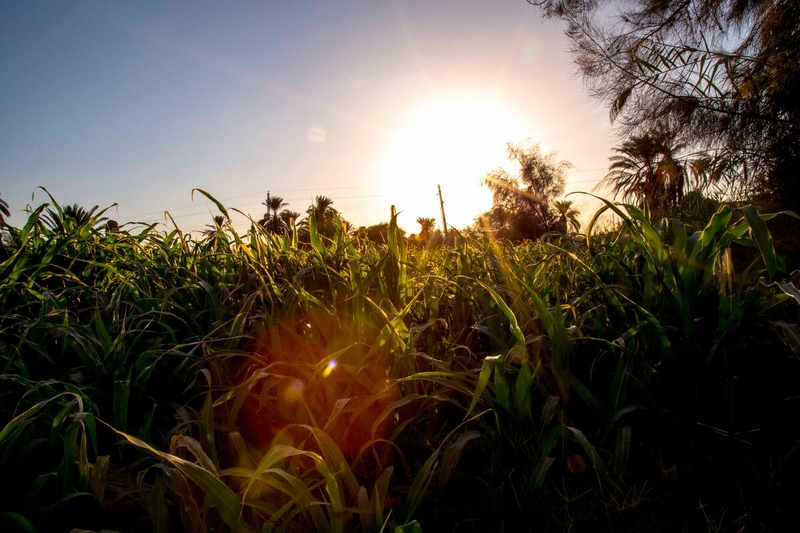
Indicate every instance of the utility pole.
{"type": "Point", "coordinates": [444, 220]}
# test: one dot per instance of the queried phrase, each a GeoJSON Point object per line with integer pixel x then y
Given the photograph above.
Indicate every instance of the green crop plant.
{"type": "Point", "coordinates": [162, 381]}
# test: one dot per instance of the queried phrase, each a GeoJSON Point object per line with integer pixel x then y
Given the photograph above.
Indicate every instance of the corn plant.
{"type": "Point", "coordinates": [260, 382]}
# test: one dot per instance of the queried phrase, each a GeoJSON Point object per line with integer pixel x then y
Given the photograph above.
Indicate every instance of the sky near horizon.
{"type": "Point", "coordinates": [372, 103]}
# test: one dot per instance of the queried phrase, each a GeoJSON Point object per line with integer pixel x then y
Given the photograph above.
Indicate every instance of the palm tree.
{"type": "Point", "coordinates": [4, 212]}
{"type": "Point", "coordinates": [321, 207]}
{"type": "Point", "coordinates": [275, 203]}
{"type": "Point", "coordinates": [289, 217]}
{"type": "Point", "coordinates": [646, 170]}
{"type": "Point", "coordinates": [271, 221]}
{"type": "Point", "coordinates": [426, 228]}
{"type": "Point", "coordinates": [567, 216]}
{"type": "Point", "coordinates": [218, 220]}
{"type": "Point", "coordinates": [212, 232]}
{"type": "Point", "coordinates": [72, 216]}
{"type": "Point", "coordinates": [323, 213]}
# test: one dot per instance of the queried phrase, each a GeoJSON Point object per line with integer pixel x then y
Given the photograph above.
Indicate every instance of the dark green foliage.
{"type": "Point", "coordinates": [4, 212]}
{"type": "Point", "coordinates": [722, 74]}
{"type": "Point", "coordinates": [640, 380]}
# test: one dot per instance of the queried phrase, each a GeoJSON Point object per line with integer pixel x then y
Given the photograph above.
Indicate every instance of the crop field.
{"type": "Point", "coordinates": [642, 379]}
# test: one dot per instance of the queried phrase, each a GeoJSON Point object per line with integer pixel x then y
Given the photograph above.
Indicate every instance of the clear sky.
{"type": "Point", "coordinates": [370, 102]}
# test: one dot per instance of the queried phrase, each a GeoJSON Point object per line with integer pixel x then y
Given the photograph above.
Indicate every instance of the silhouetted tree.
{"type": "Point", "coordinates": [213, 231]}
{"type": "Point", "coordinates": [289, 217]}
{"type": "Point", "coordinates": [567, 216]}
{"type": "Point", "coordinates": [320, 208]}
{"type": "Point", "coordinates": [522, 203]}
{"type": "Point", "coordinates": [646, 170]}
{"type": "Point", "coordinates": [723, 74]}
{"type": "Point", "coordinates": [271, 221]}
{"type": "Point", "coordinates": [111, 226]}
{"type": "Point", "coordinates": [426, 225]}
{"type": "Point", "coordinates": [61, 220]}
{"type": "Point", "coordinates": [324, 214]}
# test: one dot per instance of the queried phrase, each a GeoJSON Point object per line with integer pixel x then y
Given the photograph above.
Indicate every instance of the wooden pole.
{"type": "Point", "coordinates": [444, 219]}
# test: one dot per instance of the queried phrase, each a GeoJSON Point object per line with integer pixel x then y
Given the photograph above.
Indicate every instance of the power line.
{"type": "Point", "coordinates": [260, 193]}
{"type": "Point", "coordinates": [590, 169]}
{"type": "Point", "coordinates": [239, 206]}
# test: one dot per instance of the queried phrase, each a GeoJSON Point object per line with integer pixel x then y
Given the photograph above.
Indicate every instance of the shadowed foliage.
{"type": "Point", "coordinates": [4, 212]}
{"type": "Point", "coordinates": [646, 169]}
{"type": "Point", "coordinates": [643, 379]}
{"type": "Point", "coordinates": [722, 74]}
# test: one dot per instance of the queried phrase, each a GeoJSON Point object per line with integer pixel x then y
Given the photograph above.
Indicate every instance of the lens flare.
{"type": "Point", "coordinates": [293, 391]}
{"type": "Point", "coordinates": [329, 368]}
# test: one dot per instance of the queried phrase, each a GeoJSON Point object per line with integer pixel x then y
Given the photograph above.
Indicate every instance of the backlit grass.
{"type": "Point", "coordinates": [643, 380]}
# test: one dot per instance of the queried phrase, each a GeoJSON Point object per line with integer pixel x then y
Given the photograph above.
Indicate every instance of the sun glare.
{"type": "Point", "coordinates": [451, 143]}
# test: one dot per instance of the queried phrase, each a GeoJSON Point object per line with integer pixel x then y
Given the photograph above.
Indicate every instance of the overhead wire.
{"type": "Point", "coordinates": [203, 208]}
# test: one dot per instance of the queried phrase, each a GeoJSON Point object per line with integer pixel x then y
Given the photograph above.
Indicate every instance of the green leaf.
{"type": "Point", "coordinates": [591, 452]}
{"type": "Point", "coordinates": [333, 456]}
{"type": "Point", "coordinates": [540, 472]}
{"type": "Point", "coordinates": [522, 392]}
{"type": "Point", "coordinates": [452, 455]}
{"type": "Point", "coordinates": [119, 403]}
{"type": "Point", "coordinates": [97, 481]}
{"type": "Point", "coordinates": [218, 494]}
{"type": "Point", "coordinates": [16, 423]}
{"type": "Point", "coordinates": [15, 522]}
{"type": "Point", "coordinates": [550, 439]}
{"type": "Point", "coordinates": [379, 493]}
{"type": "Point", "coordinates": [157, 505]}
{"type": "Point", "coordinates": [316, 241]}
{"type": "Point", "coordinates": [483, 380]}
{"type": "Point", "coordinates": [791, 290]}
{"type": "Point", "coordinates": [762, 237]}
{"type": "Point", "coordinates": [216, 202]}
{"type": "Point", "coordinates": [419, 487]}
{"type": "Point", "coordinates": [411, 527]}
{"type": "Point", "coordinates": [622, 449]}
{"type": "Point", "coordinates": [791, 333]}
{"type": "Point", "coordinates": [548, 411]}
{"type": "Point", "coordinates": [207, 427]}
{"type": "Point", "coordinates": [501, 388]}
{"type": "Point", "coordinates": [513, 325]}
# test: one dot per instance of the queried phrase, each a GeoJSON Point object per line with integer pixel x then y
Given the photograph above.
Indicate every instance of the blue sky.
{"type": "Point", "coordinates": [372, 103]}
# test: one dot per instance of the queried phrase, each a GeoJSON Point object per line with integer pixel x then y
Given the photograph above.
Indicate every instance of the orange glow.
{"type": "Point", "coordinates": [329, 368]}
{"type": "Point", "coordinates": [294, 380]}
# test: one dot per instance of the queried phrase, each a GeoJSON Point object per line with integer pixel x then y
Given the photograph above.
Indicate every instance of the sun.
{"type": "Point", "coordinates": [450, 143]}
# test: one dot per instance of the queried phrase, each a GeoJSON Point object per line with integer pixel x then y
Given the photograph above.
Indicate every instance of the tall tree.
{"type": "Point", "coordinates": [522, 203]}
{"type": "Point", "coordinates": [377, 233]}
{"type": "Point", "coordinates": [271, 221]}
{"type": "Point", "coordinates": [724, 73]}
{"type": "Point", "coordinates": [275, 203]}
{"type": "Point", "coordinates": [321, 207]}
{"type": "Point", "coordinates": [426, 225]}
{"type": "Point", "coordinates": [289, 217]}
{"type": "Point", "coordinates": [324, 214]}
{"type": "Point", "coordinates": [567, 216]}
{"type": "Point", "coordinates": [646, 170]}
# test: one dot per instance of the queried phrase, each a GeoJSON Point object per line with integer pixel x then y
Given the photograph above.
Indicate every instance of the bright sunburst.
{"type": "Point", "coordinates": [451, 143]}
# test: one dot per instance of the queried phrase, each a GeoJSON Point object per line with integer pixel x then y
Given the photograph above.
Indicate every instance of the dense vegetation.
{"type": "Point", "coordinates": [641, 380]}
{"type": "Point", "coordinates": [719, 76]}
